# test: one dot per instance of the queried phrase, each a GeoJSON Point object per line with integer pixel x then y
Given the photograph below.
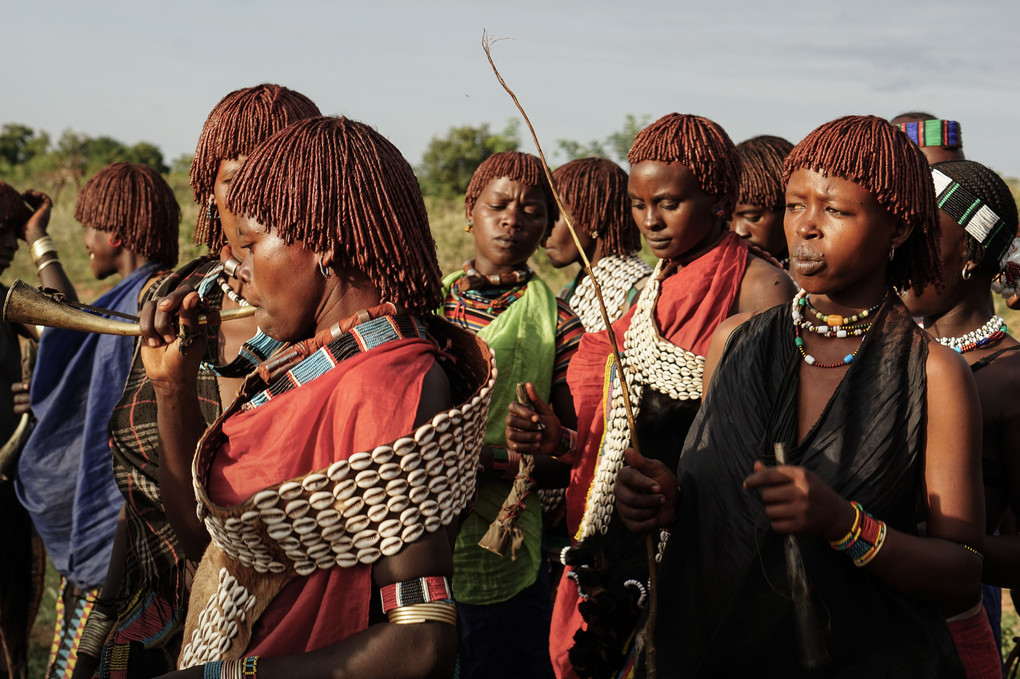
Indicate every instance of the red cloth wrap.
{"type": "Point", "coordinates": [692, 303]}
{"type": "Point", "coordinates": [367, 400]}
{"type": "Point", "coordinates": [976, 645]}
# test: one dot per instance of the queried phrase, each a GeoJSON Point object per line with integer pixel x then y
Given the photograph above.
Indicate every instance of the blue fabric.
{"type": "Point", "coordinates": [65, 475]}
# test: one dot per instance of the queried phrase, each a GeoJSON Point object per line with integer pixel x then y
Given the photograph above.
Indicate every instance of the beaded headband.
{"type": "Point", "coordinates": [974, 215]}
{"type": "Point", "coordinates": [944, 133]}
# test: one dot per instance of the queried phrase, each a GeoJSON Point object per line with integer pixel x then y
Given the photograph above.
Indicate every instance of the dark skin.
{"type": "Point", "coordinates": [839, 241]}
{"type": "Point", "coordinates": [295, 302]}
{"type": "Point", "coordinates": [509, 221]}
{"type": "Point", "coordinates": [561, 249]}
{"type": "Point", "coordinates": [960, 307]}
{"type": "Point", "coordinates": [678, 221]}
{"type": "Point", "coordinates": [762, 226]}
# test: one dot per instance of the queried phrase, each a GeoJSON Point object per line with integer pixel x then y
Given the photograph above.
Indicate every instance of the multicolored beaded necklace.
{"type": "Point", "coordinates": [836, 326]}
{"type": "Point", "coordinates": [989, 333]}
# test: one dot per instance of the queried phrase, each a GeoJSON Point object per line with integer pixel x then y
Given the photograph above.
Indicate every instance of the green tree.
{"type": "Point", "coordinates": [450, 160]}
{"type": "Point", "coordinates": [147, 154]}
{"type": "Point", "coordinates": [614, 147]}
{"type": "Point", "coordinates": [19, 144]}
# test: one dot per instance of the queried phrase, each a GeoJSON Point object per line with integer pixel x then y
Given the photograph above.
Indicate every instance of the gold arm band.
{"type": "Point", "coordinates": [55, 260]}
{"type": "Point", "coordinates": [40, 247]}
{"type": "Point", "coordinates": [436, 611]}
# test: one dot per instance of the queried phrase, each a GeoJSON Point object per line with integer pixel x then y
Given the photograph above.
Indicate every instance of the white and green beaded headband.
{"type": "Point", "coordinates": [974, 215]}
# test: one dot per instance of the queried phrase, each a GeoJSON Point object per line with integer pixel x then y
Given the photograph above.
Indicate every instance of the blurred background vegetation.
{"type": "Point", "coordinates": [30, 158]}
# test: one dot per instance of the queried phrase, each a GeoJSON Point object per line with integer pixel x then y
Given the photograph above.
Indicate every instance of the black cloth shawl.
{"type": "Point", "coordinates": [724, 599]}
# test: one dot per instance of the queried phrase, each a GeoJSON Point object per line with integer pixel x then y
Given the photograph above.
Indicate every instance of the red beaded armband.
{"type": "Point", "coordinates": [417, 591]}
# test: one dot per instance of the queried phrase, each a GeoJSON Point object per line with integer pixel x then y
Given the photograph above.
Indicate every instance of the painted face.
{"type": "Point", "coordinates": [953, 255]}
{"type": "Point", "coordinates": [761, 226]}
{"type": "Point", "coordinates": [560, 247]}
{"type": "Point", "coordinates": [674, 215]}
{"type": "Point", "coordinates": [282, 280]}
{"type": "Point", "coordinates": [839, 236]}
{"type": "Point", "coordinates": [508, 219]}
{"type": "Point", "coordinates": [224, 175]}
{"type": "Point", "coordinates": [102, 255]}
{"type": "Point", "coordinates": [8, 244]}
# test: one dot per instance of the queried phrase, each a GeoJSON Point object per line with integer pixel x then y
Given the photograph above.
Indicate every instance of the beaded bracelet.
{"type": "Point", "coordinates": [212, 670]}
{"type": "Point", "coordinates": [567, 445]}
{"type": "Point", "coordinates": [865, 539]}
{"type": "Point", "coordinates": [415, 591]}
{"type": "Point", "coordinates": [242, 668]}
{"type": "Point", "coordinates": [972, 550]}
{"type": "Point", "coordinates": [850, 537]}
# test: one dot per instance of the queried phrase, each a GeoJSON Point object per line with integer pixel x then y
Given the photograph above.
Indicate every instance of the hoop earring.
{"type": "Point", "coordinates": [966, 273]}
{"type": "Point", "coordinates": [324, 270]}
{"type": "Point", "coordinates": [114, 241]}
{"type": "Point", "coordinates": [892, 252]}
{"type": "Point", "coordinates": [468, 228]}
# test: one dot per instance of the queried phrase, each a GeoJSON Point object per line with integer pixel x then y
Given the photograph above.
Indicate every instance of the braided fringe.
{"type": "Point", "coordinates": [240, 121]}
{"type": "Point", "coordinates": [596, 191]}
{"type": "Point", "coordinates": [870, 152]}
{"type": "Point", "coordinates": [761, 171]}
{"type": "Point", "coordinates": [336, 185]}
{"type": "Point", "coordinates": [697, 143]}
{"type": "Point", "coordinates": [520, 167]}
{"type": "Point", "coordinates": [134, 203]}
{"type": "Point", "coordinates": [12, 208]}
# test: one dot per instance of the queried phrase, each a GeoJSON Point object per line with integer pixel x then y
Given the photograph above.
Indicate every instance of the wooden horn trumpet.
{"type": "Point", "coordinates": [26, 304]}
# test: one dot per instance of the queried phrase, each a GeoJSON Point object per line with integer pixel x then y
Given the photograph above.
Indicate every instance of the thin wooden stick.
{"type": "Point", "coordinates": [650, 545]}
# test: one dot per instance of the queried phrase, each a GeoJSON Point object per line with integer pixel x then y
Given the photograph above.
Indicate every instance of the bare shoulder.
{"type": "Point", "coordinates": [764, 286]}
{"type": "Point", "coordinates": [946, 369]}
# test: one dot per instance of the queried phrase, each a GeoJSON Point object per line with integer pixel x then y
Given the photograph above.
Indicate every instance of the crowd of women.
{"type": "Point", "coordinates": [775, 452]}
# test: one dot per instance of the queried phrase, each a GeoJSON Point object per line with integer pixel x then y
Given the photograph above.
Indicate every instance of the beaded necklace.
{"type": "Point", "coordinates": [616, 276]}
{"type": "Point", "coordinates": [475, 280]}
{"type": "Point", "coordinates": [837, 326]}
{"type": "Point", "coordinates": [229, 291]}
{"type": "Point", "coordinates": [989, 333]}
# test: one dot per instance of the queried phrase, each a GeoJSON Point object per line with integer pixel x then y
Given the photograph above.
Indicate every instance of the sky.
{"type": "Point", "coordinates": [137, 70]}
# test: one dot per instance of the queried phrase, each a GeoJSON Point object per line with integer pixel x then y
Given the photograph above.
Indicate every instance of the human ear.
{"type": "Point", "coordinates": [901, 232]}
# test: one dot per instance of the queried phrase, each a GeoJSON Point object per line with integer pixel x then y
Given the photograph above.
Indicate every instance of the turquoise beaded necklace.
{"type": "Point", "coordinates": [836, 326]}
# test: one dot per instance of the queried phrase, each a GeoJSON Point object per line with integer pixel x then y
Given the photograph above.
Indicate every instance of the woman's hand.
{"type": "Point", "coordinates": [646, 493]}
{"type": "Point", "coordinates": [797, 501]}
{"type": "Point", "coordinates": [22, 400]}
{"type": "Point", "coordinates": [35, 227]}
{"type": "Point", "coordinates": [532, 431]}
{"type": "Point", "coordinates": [172, 358]}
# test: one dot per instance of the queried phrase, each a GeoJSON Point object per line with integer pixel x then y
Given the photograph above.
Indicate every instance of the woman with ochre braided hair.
{"type": "Point", "coordinates": [761, 200]}
{"type": "Point", "coordinates": [503, 601]}
{"type": "Point", "coordinates": [64, 478]}
{"type": "Point", "coordinates": [978, 217]}
{"type": "Point", "coordinates": [683, 180]}
{"type": "Point", "coordinates": [881, 431]}
{"type": "Point", "coordinates": [324, 488]}
{"type": "Point", "coordinates": [594, 190]}
{"type": "Point", "coordinates": [136, 627]}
